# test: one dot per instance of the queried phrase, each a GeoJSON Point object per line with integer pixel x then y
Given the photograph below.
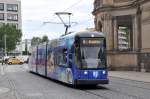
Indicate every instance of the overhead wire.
{"type": "Point", "coordinates": [73, 5]}
{"type": "Point", "coordinates": [68, 8]}
{"type": "Point", "coordinates": [76, 3]}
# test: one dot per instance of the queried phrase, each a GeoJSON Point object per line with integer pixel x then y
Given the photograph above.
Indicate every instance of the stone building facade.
{"type": "Point", "coordinates": [10, 12]}
{"type": "Point", "coordinates": [127, 27]}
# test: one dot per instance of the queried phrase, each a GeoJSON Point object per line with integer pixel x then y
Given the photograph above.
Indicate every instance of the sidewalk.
{"type": "Point", "coordinates": [131, 75]}
{"type": "Point", "coordinates": [6, 91]}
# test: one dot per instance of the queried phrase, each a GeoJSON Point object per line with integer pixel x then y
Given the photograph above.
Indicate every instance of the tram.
{"type": "Point", "coordinates": [76, 59]}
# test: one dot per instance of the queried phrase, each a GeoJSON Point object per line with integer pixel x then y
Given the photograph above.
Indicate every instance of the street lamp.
{"type": "Point", "coordinates": [5, 44]}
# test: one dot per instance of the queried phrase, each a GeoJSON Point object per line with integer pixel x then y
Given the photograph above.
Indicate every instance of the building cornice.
{"type": "Point", "coordinates": [121, 6]}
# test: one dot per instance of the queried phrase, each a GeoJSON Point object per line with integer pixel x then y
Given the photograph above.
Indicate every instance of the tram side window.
{"type": "Point", "coordinates": [56, 58]}
{"type": "Point", "coordinates": [63, 57]}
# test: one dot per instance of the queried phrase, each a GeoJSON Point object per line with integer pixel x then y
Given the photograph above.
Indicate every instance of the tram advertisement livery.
{"type": "Point", "coordinates": [76, 58]}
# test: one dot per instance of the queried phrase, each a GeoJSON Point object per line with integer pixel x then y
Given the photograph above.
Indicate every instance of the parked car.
{"type": "Point", "coordinates": [14, 61]}
{"type": "Point", "coordinates": [23, 58]}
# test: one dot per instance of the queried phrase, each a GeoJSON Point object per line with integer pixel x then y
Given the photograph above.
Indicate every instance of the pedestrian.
{"type": "Point", "coordinates": [6, 60]}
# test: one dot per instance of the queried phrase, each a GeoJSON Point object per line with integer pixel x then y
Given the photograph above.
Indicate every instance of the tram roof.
{"type": "Point", "coordinates": [78, 34]}
{"type": "Point", "coordinates": [85, 34]}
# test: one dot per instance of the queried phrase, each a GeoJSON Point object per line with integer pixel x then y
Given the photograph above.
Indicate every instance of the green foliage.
{"type": "Point", "coordinates": [13, 36]}
{"type": "Point", "coordinates": [26, 48]}
{"type": "Point", "coordinates": [25, 52]}
{"type": "Point", "coordinates": [38, 40]}
{"type": "Point", "coordinates": [35, 41]}
{"type": "Point", "coordinates": [44, 39]}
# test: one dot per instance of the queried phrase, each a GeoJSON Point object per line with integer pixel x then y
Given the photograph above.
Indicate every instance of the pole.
{"type": "Point", "coordinates": [1, 66]}
{"type": "Point", "coordinates": [5, 44]}
{"type": "Point", "coordinates": [139, 36]}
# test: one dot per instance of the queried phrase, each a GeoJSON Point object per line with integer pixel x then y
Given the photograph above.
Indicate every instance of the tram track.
{"type": "Point", "coordinates": [110, 88]}
{"type": "Point", "coordinates": [124, 93]}
{"type": "Point", "coordinates": [136, 86]}
{"type": "Point", "coordinates": [84, 90]}
{"type": "Point", "coordinates": [92, 93]}
{"type": "Point", "coordinates": [109, 91]}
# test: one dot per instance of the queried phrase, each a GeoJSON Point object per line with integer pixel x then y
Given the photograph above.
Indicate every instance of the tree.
{"type": "Point", "coordinates": [45, 38]}
{"type": "Point", "coordinates": [26, 48]}
{"type": "Point", "coordinates": [35, 41]}
{"type": "Point", "coordinates": [38, 40]}
{"type": "Point", "coordinates": [13, 36]}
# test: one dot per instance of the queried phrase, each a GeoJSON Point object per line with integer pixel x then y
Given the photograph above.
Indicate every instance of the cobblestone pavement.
{"type": "Point", "coordinates": [25, 85]}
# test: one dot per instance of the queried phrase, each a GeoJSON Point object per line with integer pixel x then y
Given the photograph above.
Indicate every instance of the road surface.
{"type": "Point", "coordinates": [25, 85]}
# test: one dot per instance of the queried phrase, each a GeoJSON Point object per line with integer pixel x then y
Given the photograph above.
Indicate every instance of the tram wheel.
{"type": "Point", "coordinates": [10, 63]}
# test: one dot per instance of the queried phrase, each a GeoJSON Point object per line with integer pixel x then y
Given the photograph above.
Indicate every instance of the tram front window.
{"type": "Point", "coordinates": [93, 55]}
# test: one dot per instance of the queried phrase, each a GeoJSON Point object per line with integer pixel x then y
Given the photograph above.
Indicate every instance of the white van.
{"type": "Point", "coordinates": [23, 58]}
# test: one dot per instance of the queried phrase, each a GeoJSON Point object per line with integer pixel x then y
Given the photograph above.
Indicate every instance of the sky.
{"type": "Point", "coordinates": [35, 13]}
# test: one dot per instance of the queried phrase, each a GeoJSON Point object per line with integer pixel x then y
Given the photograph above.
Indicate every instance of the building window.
{"type": "Point", "coordinates": [12, 7]}
{"type": "Point", "coordinates": [125, 35]}
{"type": "Point", "coordinates": [123, 38]}
{"type": "Point", "coordinates": [12, 17]}
{"type": "Point", "coordinates": [1, 6]}
{"type": "Point", "coordinates": [1, 16]}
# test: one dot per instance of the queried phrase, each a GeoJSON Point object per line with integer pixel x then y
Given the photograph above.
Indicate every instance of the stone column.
{"type": "Point", "coordinates": [139, 12]}
{"type": "Point", "coordinates": [115, 30]}
{"type": "Point", "coordinates": [107, 28]}
{"type": "Point", "coordinates": [134, 33]}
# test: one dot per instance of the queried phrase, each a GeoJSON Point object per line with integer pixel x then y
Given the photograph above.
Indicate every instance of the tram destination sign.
{"type": "Point", "coordinates": [92, 41]}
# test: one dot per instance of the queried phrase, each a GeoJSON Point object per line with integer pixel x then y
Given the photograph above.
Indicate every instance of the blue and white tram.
{"type": "Point", "coordinates": [77, 58]}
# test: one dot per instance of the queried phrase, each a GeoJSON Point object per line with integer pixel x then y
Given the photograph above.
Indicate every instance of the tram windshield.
{"type": "Point", "coordinates": [92, 53]}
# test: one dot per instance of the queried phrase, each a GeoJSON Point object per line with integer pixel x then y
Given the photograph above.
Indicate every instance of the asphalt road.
{"type": "Point", "coordinates": [26, 85]}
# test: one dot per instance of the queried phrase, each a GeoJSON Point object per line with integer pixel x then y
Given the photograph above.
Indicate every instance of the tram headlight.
{"type": "Point", "coordinates": [85, 72]}
{"type": "Point", "coordinates": [104, 72]}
